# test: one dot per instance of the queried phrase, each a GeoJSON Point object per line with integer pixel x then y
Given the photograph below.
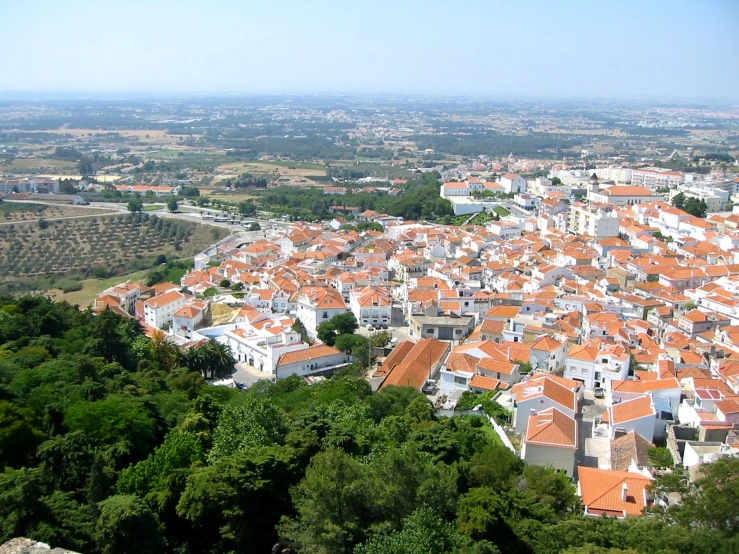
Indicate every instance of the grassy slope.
{"type": "Point", "coordinates": [92, 287]}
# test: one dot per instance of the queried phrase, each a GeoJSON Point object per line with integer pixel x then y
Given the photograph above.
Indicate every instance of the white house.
{"type": "Point", "coordinates": [513, 183]}
{"type": "Point", "coordinates": [371, 305]}
{"type": "Point", "coordinates": [540, 395]}
{"type": "Point", "coordinates": [547, 354]}
{"type": "Point", "coordinates": [159, 310]}
{"type": "Point", "coordinates": [551, 440]}
{"type": "Point", "coordinates": [310, 361]}
{"type": "Point", "coordinates": [188, 318]}
{"type": "Point", "coordinates": [597, 366]}
{"type": "Point", "coordinates": [316, 305]}
{"type": "Point", "coordinates": [638, 415]}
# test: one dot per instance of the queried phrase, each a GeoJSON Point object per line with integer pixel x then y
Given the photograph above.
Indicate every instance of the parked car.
{"type": "Point", "coordinates": [369, 327]}
{"type": "Point", "coordinates": [599, 393]}
{"type": "Point", "coordinates": [429, 387]}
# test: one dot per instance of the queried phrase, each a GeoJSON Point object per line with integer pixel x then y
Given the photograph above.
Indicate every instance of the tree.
{"type": "Point", "coordinates": [660, 458]}
{"type": "Point", "coordinates": [224, 283]}
{"type": "Point", "coordinates": [424, 532]}
{"type": "Point", "coordinates": [248, 208]}
{"type": "Point", "coordinates": [172, 205]}
{"type": "Point", "coordinates": [135, 206]}
{"type": "Point", "coordinates": [342, 324]}
{"type": "Point", "coordinates": [126, 524]}
{"type": "Point", "coordinates": [212, 359]}
{"type": "Point", "coordinates": [179, 450]}
{"type": "Point", "coordinates": [253, 424]}
{"type": "Point", "coordinates": [84, 166]}
{"type": "Point", "coordinates": [332, 503]}
{"type": "Point", "coordinates": [678, 200]}
{"type": "Point", "coordinates": [236, 504]}
{"type": "Point", "coordinates": [19, 436]}
{"type": "Point", "coordinates": [714, 501]}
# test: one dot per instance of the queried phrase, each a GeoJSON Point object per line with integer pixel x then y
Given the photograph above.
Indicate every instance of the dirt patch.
{"type": "Point", "coordinates": [222, 314]}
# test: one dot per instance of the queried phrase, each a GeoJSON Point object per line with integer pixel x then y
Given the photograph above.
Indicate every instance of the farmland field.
{"type": "Point", "coordinates": [81, 245]}
{"type": "Point", "coordinates": [150, 136]}
{"type": "Point", "coordinates": [11, 212]}
{"type": "Point", "coordinates": [25, 164]}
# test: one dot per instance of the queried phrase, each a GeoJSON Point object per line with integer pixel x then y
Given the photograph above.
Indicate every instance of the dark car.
{"type": "Point", "coordinates": [599, 393]}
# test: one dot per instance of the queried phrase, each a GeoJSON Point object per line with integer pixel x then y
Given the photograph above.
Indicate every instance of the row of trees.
{"type": "Point", "coordinates": [112, 442]}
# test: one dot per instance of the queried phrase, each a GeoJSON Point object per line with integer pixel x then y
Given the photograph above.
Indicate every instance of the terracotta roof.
{"type": "Point", "coordinates": [631, 446]}
{"type": "Point", "coordinates": [414, 370]}
{"type": "Point", "coordinates": [482, 382]}
{"type": "Point", "coordinates": [552, 428]}
{"type": "Point", "coordinates": [603, 492]}
{"type": "Point", "coordinates": [165, 299]}
{"type": "Point", "coordinates": [629, 410]}
{"type": "Point", "coordinates": [546, 344]}
{"type": "Point", "coordinates": [644, 386]}
{"type": "Point", "coordinates": [311, 353]}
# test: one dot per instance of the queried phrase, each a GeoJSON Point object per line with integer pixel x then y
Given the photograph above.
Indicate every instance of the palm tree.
{"type": "Point", "coordinates": [212, 359]}
{"type": "Point", "coordinates": [220, 359]}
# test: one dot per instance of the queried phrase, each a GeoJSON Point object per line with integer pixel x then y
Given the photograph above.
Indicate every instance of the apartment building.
{"type": "Point", "coordinates": [596, 221]}
{"type": "Point", "coordinates": [655, 178]}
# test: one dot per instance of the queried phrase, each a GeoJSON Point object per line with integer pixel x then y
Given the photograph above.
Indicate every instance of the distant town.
{"type": "Point", "coordinates": [576, 273]}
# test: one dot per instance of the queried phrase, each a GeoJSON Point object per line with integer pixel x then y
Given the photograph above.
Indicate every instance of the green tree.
{"type": "Point", "coordinates": [135, 206]}
{"type": "Point", "coordinates": [172, 205]}
{"type": "Point", "coordinates": [236, 504]}
{"type": "Point", "coordinates": [342, 324]}
{"type": "Point", "coordinates": [333, 505]}
{"type": "Point", "coordinates": [254, 423]}
{"type": "Point", "coordinates": [19, 436]}
{"type": "Point", "coordinates": [660, 458]}
{"type": "Point", "coordinates": [714, 501]}
{"type": "Point", "coordinates": [126, 524]}
{"type": "Point", "coordinates": [248, 208]}
{"type": "Point", "coordinates": [179, 451]}
{"type": "Point", "coordinates": [424, 532]}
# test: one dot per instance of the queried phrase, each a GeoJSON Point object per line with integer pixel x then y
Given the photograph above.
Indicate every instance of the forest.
{"type": "Point", "coordinates": [113, 443]}
{"type": "Point", "coordinates": [419, 200]}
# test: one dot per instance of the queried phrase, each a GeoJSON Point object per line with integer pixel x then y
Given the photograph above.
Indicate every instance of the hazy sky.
{"type": "Point", "coordinates": [606, 48]}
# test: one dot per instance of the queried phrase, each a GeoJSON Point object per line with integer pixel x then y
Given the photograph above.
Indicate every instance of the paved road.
{"type": "Point", "coordinates": [249, 375]}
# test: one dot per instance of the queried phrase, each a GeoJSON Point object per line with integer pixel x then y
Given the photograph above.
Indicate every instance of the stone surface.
{"type": "Point", "coordinates": [22, 545]}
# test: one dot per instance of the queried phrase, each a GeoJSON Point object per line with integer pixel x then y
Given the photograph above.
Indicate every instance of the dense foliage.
{"type": "Point", "coordinates": [111, 442]}
{"type": "Point", "coordinates": [419, 200]}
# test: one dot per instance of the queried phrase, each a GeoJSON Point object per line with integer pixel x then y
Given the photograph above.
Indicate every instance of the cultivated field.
{"type": "Point", "coordinates": [284, 173]}
{"type": "Point", "coordinates": [81, 245]}
{"type": "Point", "coordinates": [11, 212]}
{"type": "Point", "coordinates": [150, 136]}
{"type": "Point", "coordinates": [40, 164]}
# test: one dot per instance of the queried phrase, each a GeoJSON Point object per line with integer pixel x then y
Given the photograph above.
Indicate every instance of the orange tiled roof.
{"type": "Point", "coordinates": [311, 353]}
{"type": "Point", "coordinates": [552, 428]}
{"type": "Point", "coordinates": [603, 492]}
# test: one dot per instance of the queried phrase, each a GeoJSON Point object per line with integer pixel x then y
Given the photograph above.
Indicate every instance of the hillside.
{"type": "Point", "coordinates": [111, 443]}
{"type": "Point", "coordinates": [112, 242]}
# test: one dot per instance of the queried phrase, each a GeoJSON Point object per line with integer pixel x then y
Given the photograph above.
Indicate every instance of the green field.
{"type": "Point", "coordinates": [501, 211]}
{"type": "Point", "coordinates": [92, 287]}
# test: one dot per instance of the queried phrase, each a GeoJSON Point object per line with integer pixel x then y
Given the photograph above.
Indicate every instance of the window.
{"type": "Point", "coordinates": [460, 380]}
{"type": "Point", "coordinates": [325, 315]}
{"type": "Point", "coordinates": [583, 371]}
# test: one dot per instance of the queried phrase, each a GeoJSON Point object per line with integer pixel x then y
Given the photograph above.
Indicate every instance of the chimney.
{"type": "Point", "coordinates": [624, 492]}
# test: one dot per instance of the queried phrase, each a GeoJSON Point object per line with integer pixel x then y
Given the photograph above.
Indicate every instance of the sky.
{"type": "Point", "coordinates": [489, 48]}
